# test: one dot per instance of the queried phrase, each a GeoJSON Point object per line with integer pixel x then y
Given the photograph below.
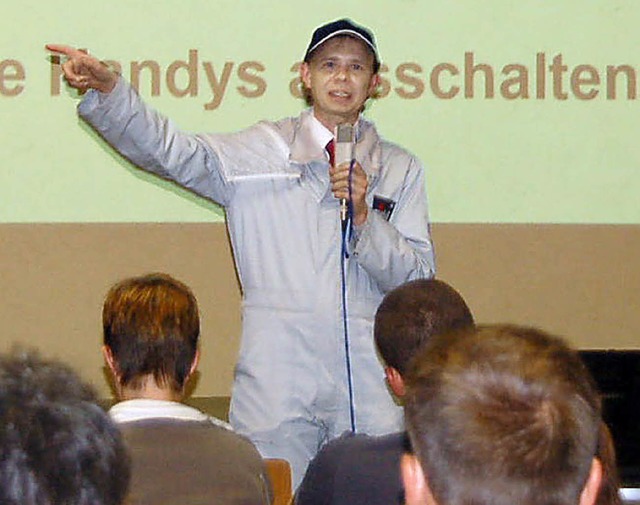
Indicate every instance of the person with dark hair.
{"type": "Point", "coordinates": [57, 445]}
{"type": "Point", "coordinates": [363, 469]}
{"type": "Point", "coordinates": [179, 454]}
{"type": "Point", "coordinates": [318, 236]}
{"type": "Point", "coordinates": [501, 415]}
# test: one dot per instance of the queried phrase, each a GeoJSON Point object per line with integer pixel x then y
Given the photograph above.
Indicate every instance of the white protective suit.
{"type": "Point", "coordinates": [290, 391]}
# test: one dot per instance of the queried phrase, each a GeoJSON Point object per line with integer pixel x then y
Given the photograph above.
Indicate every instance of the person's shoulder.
{"type": "Point", "coordinates": [266, 131]}
{"type": "Point", "coordinates": [349, 440]}
{"type": "Point", "coordinates": [285, 127]}
{"type": "Point", "coordinates": [218, 436]}
{"type": "Point", "coordinates": [342, 448]}
{"type": "Point", "coordinates": [391, 150]}
{"type": "Point", "coordinates": [400, 154]}
{"type": "Point", "coordinates": [325, 469]}
{"type": "Point", "coordinates": [391, 443]}
{"type": "Point", "coordinates": [224, 430]}
{"type": "Point", "coordinates": [355, 444]}
{"type": "Point", "coordinates": [282, 123]}
{"type": "Point", "coordinates": [355, 469]}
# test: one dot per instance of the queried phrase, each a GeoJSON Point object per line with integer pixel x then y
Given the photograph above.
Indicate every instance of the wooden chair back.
{"type": "Point", "coordinates": [279, 472]}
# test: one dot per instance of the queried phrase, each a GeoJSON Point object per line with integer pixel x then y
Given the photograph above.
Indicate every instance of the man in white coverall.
{"type": "Point", "coordinates": [295, 384]}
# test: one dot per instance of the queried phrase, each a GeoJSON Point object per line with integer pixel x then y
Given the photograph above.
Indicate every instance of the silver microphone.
{"type": "Point", "coordinates": [344, 137]}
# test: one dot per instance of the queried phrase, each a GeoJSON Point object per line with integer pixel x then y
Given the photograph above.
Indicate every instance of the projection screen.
{"type": "Point", "coordinates": [521, 113]}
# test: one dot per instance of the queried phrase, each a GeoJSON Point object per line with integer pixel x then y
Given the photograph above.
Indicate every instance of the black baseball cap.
{"type": "Point", "coordinates": [343, 27]}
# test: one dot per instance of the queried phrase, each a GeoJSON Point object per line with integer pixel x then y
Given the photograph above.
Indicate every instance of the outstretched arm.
{"type": "Point", "coordinates": [145, 137]}
{"type": "Point", "coordinates": [83, 71]}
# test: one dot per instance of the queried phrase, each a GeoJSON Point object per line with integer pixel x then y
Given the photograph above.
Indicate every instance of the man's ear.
{"type": "Point", "coordinates": [194, 363]}
{"type": "Point", "coordinates": [110, 361]}
{"type": "Point", "coordinates": [592, 487]}
{"type": "Point", "coordinates": [416, 487]}
{"type": "Point", "coordinates": [305, 74]}
{"type": "Point", "coordinates": [395, 381]}
{"type": "Point", "coordinates": [373, 85]}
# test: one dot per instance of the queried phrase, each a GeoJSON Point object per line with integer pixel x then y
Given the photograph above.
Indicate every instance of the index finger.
{"type": "Point", "coordinates": [68, 51]}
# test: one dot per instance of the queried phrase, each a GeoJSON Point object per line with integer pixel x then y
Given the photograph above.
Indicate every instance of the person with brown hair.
{"type": "Point", "coordinates": [363, 469]}
{"type": "Point", "coordinates": [501, 415]}
{"type": "Point", "coordinates": [180, 455]}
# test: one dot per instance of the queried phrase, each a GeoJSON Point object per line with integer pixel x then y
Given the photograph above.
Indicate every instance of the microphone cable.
{"type": "Point", "coordinates": [346, 232]}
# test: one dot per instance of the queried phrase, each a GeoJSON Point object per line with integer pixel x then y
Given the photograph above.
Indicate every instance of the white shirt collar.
{"type": "Point", "coordinates": [319, 132]}
{"type": "Point", "coordinates": [144, 408]}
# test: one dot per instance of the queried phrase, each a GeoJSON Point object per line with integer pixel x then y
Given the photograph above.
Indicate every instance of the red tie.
{"type": "Point", "coordinates": [331, 149]}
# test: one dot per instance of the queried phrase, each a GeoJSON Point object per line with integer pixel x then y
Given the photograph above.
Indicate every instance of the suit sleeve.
{"type": "Point", "coordinates": [399, 249]}
{"type": "Point", "coordinates": [153, 142]}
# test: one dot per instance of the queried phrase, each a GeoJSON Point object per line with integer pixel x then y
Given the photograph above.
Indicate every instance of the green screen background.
{"type": "Point", "coordinates": [488, 160]}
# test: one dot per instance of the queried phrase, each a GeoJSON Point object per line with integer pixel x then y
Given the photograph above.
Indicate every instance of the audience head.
{"type": "Point", "coordinates": [57, 445]}
{"type": "Point", "coordinates": [409, 316]}
{"type": "Point", "coordinates": [501, 415]}
{"type": "Point", "coordinates": [151, 330]}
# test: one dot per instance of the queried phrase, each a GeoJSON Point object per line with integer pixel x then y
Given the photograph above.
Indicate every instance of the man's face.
{"type": "Point", "coordinates": [340, 77]}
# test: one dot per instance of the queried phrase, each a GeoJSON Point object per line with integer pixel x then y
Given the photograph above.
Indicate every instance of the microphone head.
{"type": "Point", "coordinates": [344, 137]}
{"type": "Point", "coordinates": [344, 133]}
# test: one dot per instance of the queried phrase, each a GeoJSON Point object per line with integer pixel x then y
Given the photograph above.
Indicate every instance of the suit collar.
{"type": "Point", "coordinates": [308, 143]}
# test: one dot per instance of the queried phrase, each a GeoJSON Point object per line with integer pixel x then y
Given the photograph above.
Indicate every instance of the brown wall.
{"type": "Point", "coordinates": [579, 281]}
